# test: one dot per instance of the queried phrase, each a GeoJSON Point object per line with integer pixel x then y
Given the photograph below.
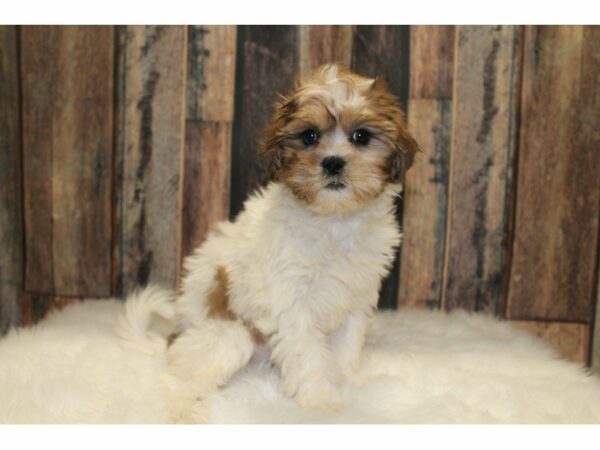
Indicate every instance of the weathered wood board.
{"type": "Point", "coordinates": [67, 110]}
{"type": "Point", "coordinates": [558, 197]}
{"type": "Point", "coordinates": [149, 155]}
{"type": "Point", "coordinates": [480, 182]}
{"type": "Point", "coordinates": [11, 214]}
{"type": "Point", "coordinates": [426, 187]}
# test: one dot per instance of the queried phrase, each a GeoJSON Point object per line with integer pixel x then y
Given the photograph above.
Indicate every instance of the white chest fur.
{"type": "Point", "coordinates": [281, 256]}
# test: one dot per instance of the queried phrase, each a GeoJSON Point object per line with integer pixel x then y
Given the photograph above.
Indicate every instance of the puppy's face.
{"type": "Point", "coordinates": [338, 141]}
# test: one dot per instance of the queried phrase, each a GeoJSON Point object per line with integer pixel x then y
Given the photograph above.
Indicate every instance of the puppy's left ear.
{"type": "Point", "coordinates": [403, 155]}
{"type": "Point", "coordinates": [270, 145]}
{"type": "Point", "coordinates": [404, 146]}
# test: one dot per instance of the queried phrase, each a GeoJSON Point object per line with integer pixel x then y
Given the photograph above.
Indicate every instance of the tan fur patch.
{"type": "Point", "coordinates": [218, 299]}
{"type": "Point", "coordinates": [218, 302]}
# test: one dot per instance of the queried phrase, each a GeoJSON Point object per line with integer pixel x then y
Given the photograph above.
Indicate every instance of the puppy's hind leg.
{"type": "Point", "coordinates": [202, 359]}
{"type": "Point", "coordinates": [200, 281]}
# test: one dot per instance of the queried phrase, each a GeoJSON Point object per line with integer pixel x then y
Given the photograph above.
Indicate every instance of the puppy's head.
{"type": "Point", "coordinates": [338, 141]}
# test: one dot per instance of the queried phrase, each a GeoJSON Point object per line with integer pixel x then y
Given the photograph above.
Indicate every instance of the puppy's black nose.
{"type": "Point", "coordinates": [333, 165]}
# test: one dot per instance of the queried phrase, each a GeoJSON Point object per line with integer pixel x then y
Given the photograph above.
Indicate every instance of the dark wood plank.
{"type": "Point", "coordinates": [320, 44]}
{"type": "Point", "coordinates": [67, 82]}
{"type": "Point", "coordinates": [149, 155]}
{"type": "Point", "coordinates": [426, 191]}
{"type": "Point", "coordinates": [483, 141]}
{"type": "Point", "coordinates": [209, 117]}
{"type": "Point", "coordinates": [11, 214]}
{"type": "Point", "coordinates": [558, 195]}
{"type": "Point", "coordinates": [383, 51]}
{"type": "Point", "coordinates": [267, 61]}
{"type": "Point", "coordinates": [570, 340]}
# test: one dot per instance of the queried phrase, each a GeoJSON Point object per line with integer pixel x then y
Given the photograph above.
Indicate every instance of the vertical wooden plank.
{"type": "Point", "coordinates": [383, 51]}
{"type": "Point", "coordinates": [67, 82]}
{"type": "Point", "coordinates": [267, 61]}
{"type": "Point", "coordinates": [320, 44]}
{"type": "Point", "coordinates": [209, 117]}
{"type": "Point", "coordinates": [558, 196]}
{"type": "Point", "coordinates": [570, 340]}
{"type": "Point", "coordinates": [11, 214]}
{"type": "Point", "coordinates": [483, 140]}
{"type": "Point", "coordinates": [149, 155]}
{"type": "Point", "coordinates": [426, 190]}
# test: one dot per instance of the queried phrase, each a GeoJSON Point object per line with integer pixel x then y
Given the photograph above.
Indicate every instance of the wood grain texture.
{"type": "Point", "coordinates": [321, 44]}
{"type": "Point", "coordinates": [267, 61]}
{"type": "Point", "coordinates": [383, 51]}
{"type": "Point", "coordinates": [426, 187]}
{"type": "Point", "coordinates": [558, 196]}
{"type": "Point", "coordinates": [209, 117]}
{"type": "Point", "coordinates": [67, 86]}
{"type": "Point", "coordinates": [11, 213]}
{"type": "Point", "coordinates": [570, 340]}
{"type": "Point", "coordinates": [149, 155]}
{"type": "Point", "coordinates": [483, 141]}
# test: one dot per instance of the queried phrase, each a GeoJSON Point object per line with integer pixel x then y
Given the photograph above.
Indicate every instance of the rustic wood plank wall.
{"type": "Point", "coordinates": [120, 146]}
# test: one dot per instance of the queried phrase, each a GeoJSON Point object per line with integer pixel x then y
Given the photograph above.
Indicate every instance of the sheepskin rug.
{"type": "Point", "coordinates": [418, 367]}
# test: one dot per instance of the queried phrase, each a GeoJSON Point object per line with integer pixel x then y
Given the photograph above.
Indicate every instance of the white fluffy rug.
{"type": "Point", "coordinates": [418, 367]}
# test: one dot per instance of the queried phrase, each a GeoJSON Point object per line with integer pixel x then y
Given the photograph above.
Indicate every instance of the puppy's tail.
{"type": "Point", "coordinates": [148, 319]}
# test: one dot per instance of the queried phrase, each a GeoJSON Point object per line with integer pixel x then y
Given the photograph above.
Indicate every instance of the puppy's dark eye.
{"type": "Point", "coordinates": [310, 137]}
{"type": "Point", "coordinates": [361, 137]}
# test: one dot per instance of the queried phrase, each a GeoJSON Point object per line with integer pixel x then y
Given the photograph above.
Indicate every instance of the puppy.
{"type": "Point", "coordinates": [296, 277]}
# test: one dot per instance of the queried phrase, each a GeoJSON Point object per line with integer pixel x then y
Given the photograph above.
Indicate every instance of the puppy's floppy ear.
{"type": "Point", "coordinates": [403, 155]}
{"type": "Point", "coordinates": [269, 148]}
{"type": "Point", "coordinates": [404, 145]}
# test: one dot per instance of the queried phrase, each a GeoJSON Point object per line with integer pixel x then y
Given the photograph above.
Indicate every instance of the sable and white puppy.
{"type": "Point", "coordinates": [298, 272]}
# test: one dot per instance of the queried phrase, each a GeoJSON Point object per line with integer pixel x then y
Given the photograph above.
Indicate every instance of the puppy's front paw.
{"type": "Point", "coordinates": [320, 395]}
